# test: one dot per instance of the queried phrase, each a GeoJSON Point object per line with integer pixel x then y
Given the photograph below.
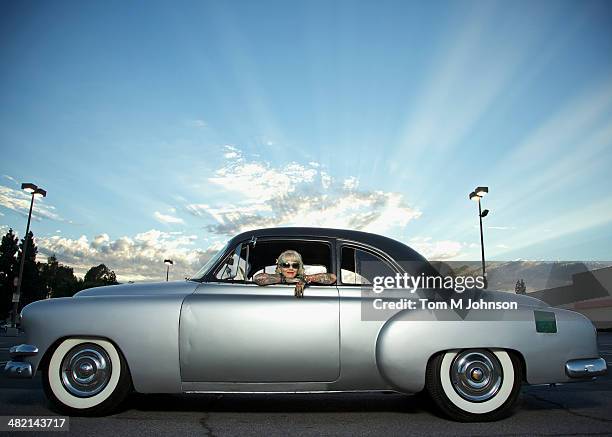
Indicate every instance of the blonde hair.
{"type": "Point", "coordinates": [290, 254]}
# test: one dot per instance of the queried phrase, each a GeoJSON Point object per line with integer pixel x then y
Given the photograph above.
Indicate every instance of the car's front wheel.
{"type": "Point", "coordinates": [86, 377]}
{"type": "Point", "coordinates": [474, 384]}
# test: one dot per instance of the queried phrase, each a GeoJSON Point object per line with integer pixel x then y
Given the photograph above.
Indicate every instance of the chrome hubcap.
{"type": "Point", "coordinates": [476, 375]}
{"type": "Point", "coordinates": [85, 370]}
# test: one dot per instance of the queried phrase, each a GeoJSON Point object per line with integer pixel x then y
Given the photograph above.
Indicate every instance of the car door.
{"type": "Point", "coordinates": [232, 330]}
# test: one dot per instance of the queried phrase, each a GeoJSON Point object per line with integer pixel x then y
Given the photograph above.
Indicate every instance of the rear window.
{"type": "Point", "coordinates": [359, 267]}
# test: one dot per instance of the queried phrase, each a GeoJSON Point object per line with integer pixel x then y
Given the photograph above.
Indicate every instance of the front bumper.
{"type": "Point", "coordinates": [586, 368]}
{"type": "Point", "coordinates": [17, 368]}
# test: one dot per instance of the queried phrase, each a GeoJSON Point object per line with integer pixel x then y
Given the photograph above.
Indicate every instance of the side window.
{"type": "Point", "coordinates": [262, 258]}
{"type": "Point", "coordinates": [233, 267]}
{"type": "Point", "coordinates": [360, 267]}
{"type": "Point", "coordinates": [308, 269]}
{"type": "Point", "coordinates": [316, 255]}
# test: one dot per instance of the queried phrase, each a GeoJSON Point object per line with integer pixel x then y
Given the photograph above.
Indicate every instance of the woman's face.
{"type": "Point", "coordinates": [289, 267]}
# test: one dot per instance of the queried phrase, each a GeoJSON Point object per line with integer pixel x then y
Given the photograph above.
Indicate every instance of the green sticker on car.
{"type": "Point", "coordinates": [545, 321]}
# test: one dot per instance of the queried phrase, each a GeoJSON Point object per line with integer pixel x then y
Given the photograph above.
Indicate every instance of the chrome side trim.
{"type": "Point", "coordinates": [585, 368]}
{"type": "Point", "coordinates": [18, 369]}
{"type": "Point", "coordinates": [294, 392]}
{"type": "Point", "coordinates": [23, 350]}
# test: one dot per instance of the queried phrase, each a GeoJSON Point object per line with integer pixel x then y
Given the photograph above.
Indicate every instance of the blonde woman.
{"type": "Point", "coordinates": [290, 270]}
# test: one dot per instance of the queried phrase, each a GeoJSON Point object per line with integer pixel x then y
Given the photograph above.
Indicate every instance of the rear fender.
{"type": "Point", "coordinates": [409, 339]}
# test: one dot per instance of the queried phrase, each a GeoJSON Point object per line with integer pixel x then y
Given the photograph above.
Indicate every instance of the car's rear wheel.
{"type": "Point", "coordinates": [474, 385]}
{"type": "Point", "coordinates": [86, 377]}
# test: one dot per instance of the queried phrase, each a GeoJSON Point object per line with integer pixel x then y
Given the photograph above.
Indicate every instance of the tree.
{"type": "Point", "coordinates": [9, 269]}
{"type": "Point", "coordinates": [41, 280]}
{"type": "Point", "coordinates": [32, 288]}
{"type": "Point", "coordinates": [98, 276]}
{"type": "Point", "coordinates": [520, 287]}
{"type": "Point", "coordinates": [58, 279]}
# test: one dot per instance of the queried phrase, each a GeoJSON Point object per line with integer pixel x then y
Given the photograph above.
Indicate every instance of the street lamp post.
{"type": "Point", "coordinates": [168, 263]}
{"type": "Point", "coordinates": [476, 195]}
{"type": "Point", "coordinates": [34, 191]}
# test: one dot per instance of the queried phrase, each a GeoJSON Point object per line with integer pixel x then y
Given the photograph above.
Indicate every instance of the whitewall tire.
{"type": "Point", "coordinates": [86, 376]}
{"type": "Point", "coordinates": [474, 384]}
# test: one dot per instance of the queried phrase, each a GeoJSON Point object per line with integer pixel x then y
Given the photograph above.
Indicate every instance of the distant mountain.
{"type": "Point", "coordinates": [538, 275]}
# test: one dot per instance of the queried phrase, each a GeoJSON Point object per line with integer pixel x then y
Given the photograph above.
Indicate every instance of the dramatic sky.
{"type": "Point", "coordinates": [161, 129]}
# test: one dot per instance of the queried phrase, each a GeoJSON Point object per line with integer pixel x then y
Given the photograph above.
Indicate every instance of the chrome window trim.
{"type": "Point", "coordinates": [341, 243]}
{"type": "Point", "coordinates": [213, 272]}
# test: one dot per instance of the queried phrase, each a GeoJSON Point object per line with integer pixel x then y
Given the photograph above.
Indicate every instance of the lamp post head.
{"type": "Point", "coordinates": [475, 197]}
{"type": "Point", "coordinates": [484, 213]}
{"type": "Point", "coordinates": [481, 191]}
{"type": "Point", "coordinates": [29, 187]}
{"type": "Point", "coordinates": [168, 262]}
{"type": "Point", "coordinates": [40, 192]}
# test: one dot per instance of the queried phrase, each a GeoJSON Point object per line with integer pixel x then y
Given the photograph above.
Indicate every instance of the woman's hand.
{"type": "Point", "coordinates": [299, 289]}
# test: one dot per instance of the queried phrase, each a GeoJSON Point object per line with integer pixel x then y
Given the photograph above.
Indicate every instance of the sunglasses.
{"type": "Point", "coordinates": [286, 265]}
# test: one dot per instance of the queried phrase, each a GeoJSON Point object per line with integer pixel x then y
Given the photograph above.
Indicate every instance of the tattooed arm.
{"type": "Point", "coordinates": [275, 278]}
{"type": "Point", "coordinates": [268, 279]}
{"type": "Point", "coordinates": [300, 283]}
{"type": "Point", "coordinates": [321, 278]}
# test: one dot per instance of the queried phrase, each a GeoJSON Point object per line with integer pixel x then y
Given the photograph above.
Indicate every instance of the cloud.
{"type": "Point", "coordinates": [134, 258]}
{"type": "Point", "coordinates": [260, 181]}
{"type": "Point", "coordinates": [297, 195]}
{"type": "Point", "coordinates": [165, 218]}
{"type": "Point", "coordinates": [436, 250]}
{"type": "Point", "coordinates": [197, 123]}
{"type": "Point", "coordinates": [197, 209]}
{"type": "Point", "coordinates": [231, 152]}
{"type": "Point", "coordinates": [10, 178]}
{"type": "Point", "coordinates": [326, 180]}
{"type": "Point", "coordinates": [19, 201]}
{"type": "Point", "coordinates": [351, 183]}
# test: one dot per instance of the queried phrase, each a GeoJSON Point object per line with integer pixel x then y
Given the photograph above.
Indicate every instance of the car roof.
{"type": "Point", "coordinates": [394, 248]}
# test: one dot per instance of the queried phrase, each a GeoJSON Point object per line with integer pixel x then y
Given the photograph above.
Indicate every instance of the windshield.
{"type": "Point", "coordinates": [209, 264]}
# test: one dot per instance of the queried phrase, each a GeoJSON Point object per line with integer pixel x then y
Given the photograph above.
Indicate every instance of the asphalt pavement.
{"type": "Point", "coordinates": [570, 409]}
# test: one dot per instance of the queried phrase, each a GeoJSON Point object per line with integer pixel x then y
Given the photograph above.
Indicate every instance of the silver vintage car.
{"type": "Point", "coordinates": [219, 332]}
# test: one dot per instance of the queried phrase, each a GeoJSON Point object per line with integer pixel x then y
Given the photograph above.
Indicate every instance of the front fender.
{"type": "Point", "coordinates": [144, 328]}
